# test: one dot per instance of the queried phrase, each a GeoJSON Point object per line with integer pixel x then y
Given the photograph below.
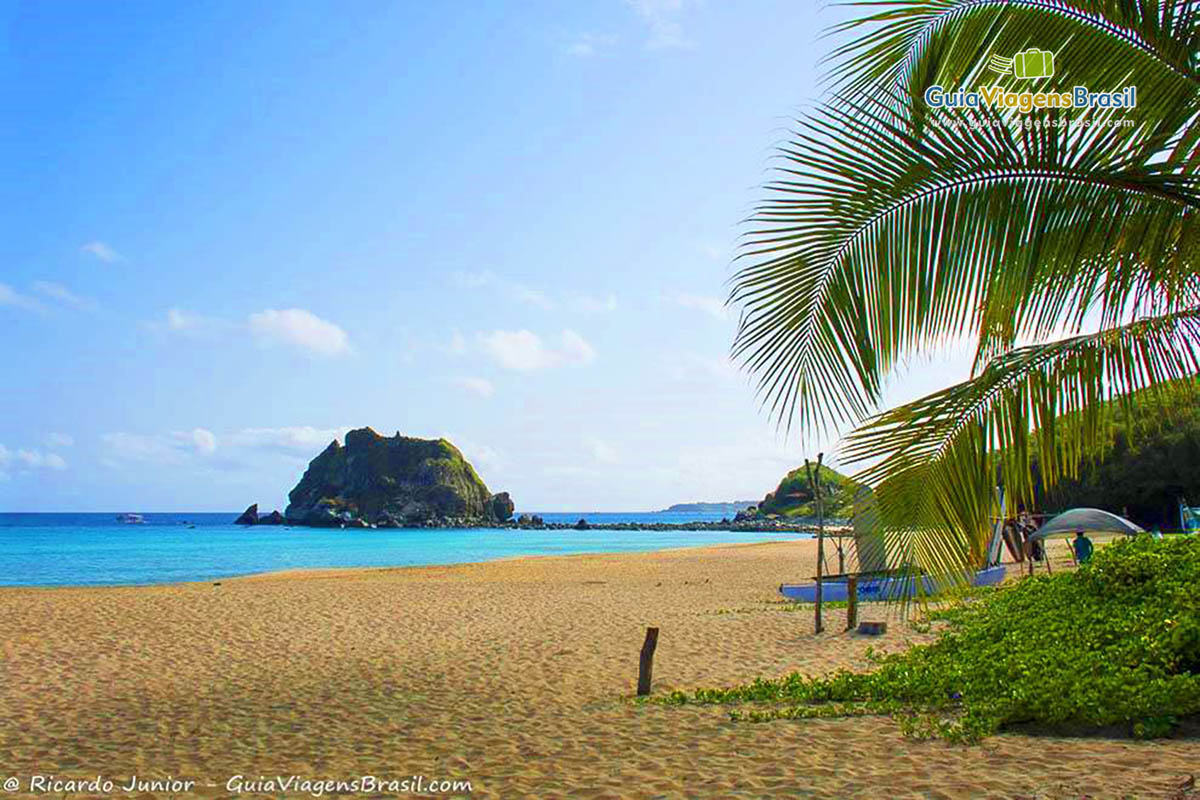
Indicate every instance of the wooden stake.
{"type": "Point", "coordinates": [851, 602]}
{"type": "Point", "coordinates": [815, 485]}
{"type": "Point", "coordinates": [646, 662]}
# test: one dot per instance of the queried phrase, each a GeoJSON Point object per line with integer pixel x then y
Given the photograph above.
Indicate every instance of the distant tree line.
{"type": "Point", "coordinates": [1152, 460]}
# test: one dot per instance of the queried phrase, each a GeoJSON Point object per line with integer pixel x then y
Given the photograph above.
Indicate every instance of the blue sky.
{"type": "Point", "coordinates": [233, 230]}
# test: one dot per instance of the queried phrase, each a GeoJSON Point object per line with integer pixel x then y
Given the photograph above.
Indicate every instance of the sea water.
{"type": "Point", "coordinates": [96, 549]}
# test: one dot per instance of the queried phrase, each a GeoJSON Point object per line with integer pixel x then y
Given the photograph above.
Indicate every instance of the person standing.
{"type": "Point", "coordinates": [1083, 547]}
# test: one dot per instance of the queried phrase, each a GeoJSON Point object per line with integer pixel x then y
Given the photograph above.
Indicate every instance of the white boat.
{"type": "Point", "coordinates": [131, 519]}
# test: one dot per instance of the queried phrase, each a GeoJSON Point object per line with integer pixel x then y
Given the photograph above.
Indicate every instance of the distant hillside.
{"type": "Point", "coordinates": [794, 498]}
{"type": "Point", "coordinates": [710, 508]}
{"type": "Point", "coordinates": [1152, 461]}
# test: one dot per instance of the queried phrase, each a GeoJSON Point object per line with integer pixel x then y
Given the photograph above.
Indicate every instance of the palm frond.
{"type": "Point", "coordinates": [1097, 42]}
{"type": "Point", "coordinates": [880, 239]}
{"type": "Point", "coordinates": [939, 458]}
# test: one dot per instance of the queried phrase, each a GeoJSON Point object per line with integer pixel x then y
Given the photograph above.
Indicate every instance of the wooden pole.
{"type": "Point", "coordinates": [815, 485]}
{"type": "Point", "coordinates": [851, 602]}
{"type": "Point", "coordinates": [646, 662]}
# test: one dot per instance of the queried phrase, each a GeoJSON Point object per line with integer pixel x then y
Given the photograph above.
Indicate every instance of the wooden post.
{"type": "Point", "coordinates": [815, 485]}
{"type": "Point", "coordinates": [851, 602]}
{"type": "Point", "coordinates": [646, 663]}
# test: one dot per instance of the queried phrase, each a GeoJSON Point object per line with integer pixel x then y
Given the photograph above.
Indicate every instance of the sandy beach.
{"type": "Point", "coordinates": [514, 675]}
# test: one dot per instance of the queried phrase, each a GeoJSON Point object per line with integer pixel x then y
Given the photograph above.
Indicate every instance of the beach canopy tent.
{"type": "Point", "coordinates": [1088, 520]}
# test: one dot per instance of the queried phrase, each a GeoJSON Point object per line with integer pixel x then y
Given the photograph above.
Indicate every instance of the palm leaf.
{"type": "Point", "coordinates": [879, 240]}
{"type": "Point", "coordinates": [938, 459]}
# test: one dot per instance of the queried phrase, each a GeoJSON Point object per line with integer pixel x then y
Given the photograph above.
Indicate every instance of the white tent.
{"type": "Point", "coordinates": [1088, 520]}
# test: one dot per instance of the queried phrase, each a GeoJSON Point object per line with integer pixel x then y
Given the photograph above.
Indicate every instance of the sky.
{"type": "Point", "coordinates": [231, 231]}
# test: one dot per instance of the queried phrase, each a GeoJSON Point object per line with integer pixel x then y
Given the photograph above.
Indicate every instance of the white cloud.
{"type": "Point", "coordinates": [102, 251]}
{"type": "Point", "coordinates": [525, 351]}
{"type": "Point", "coordinates": [293, 327]}
{"type": "Point", "coordinates": [169, 448]}
{"type": "Point", "coordinates": [587, 45]}
{"type": "Point", "coordinates": [662, 19]}
{"type": "Point", "coordinates": [713, 306]}
{"type": "Point", "coordinates": [137, 447]}
{"type": "Point", "coordinates": [60, 293]}
{"type": "Point", "coordinates": [588, 304]}
{"type": "Point", "coordinates": [475, 280]}
{"type": "Point", "coordinates": [192, 324]}
{"type": "Point", "coordinates": [601, 450]}
{"type": "Point", "coordinates": [11, 297]}
{"type": "Point", "coordinates": [531, 297]}
{"type": "Point", "coordinates": [28, 460]}
{"type": "Point", "coordinates": [60, 440]}
{"type": "Point", "coordinates": [300, 439]}
{"type": "Point", "coordinates": [481, 387]}
{"type": "Point", "coordinates": [458, 344]}
{"type": "Point", "coordinates": [200, 446]}
{"type": "Point", "coordinates": [204, 441]}
{"type": "Point", "coordinates": [526, 295]}
{"type": "Point", "coordinates": [301, 329]}
{"type": "Point", "coordinates": [36, 459]}
{"type": "Point", "coordinates": [180, 320]}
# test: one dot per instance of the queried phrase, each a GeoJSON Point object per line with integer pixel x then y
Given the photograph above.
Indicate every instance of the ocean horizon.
{"type": "Point", "coordinates": [95, 549]}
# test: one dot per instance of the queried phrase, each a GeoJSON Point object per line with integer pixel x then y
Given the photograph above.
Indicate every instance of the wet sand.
{"type": "Point", "coordinates": [514, 675]}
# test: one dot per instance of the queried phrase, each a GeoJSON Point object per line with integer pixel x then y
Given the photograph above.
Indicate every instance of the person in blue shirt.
{"type": "Point", "coordinates": [1083, 547]}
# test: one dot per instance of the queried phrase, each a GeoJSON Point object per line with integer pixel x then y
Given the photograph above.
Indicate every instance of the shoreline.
{"type": "Point", "coordinates": [333, 572]}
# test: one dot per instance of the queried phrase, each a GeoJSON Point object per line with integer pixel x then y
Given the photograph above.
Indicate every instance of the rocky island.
{"type": "Point", "coordinates": [390, 482]}
{"type": "Point", "coordinates": [375, 481]}
{"type": "Point", "coordinates": [793, 499]}
{"type": "Point", "coordinates": [732, 507]}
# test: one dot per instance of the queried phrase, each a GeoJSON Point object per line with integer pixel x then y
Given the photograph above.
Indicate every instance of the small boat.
{"type": "Point", "coordinates": [131, 519]}
{"type": "Point", "coordinates": [882, 587]}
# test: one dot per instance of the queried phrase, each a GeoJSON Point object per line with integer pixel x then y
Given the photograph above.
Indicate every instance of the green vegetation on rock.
{"type": "Point", "coordinates": [1116, 643]}
{"type": "Point", "coordinates": [794, 498]}
{"type": "Point", "coordinates": [376, 480]}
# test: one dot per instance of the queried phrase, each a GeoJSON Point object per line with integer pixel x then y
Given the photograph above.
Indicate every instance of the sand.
{"type": "Point", "coordinates": [514, 675]}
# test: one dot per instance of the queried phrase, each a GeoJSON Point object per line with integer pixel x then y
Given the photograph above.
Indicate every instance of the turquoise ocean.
{"type": "Point", "coordinates": [96, 549]}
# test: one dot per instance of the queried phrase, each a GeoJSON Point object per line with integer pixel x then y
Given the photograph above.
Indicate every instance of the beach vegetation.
{"type": "Point", "coordinates": [1058, 246]}
{"type": "Point", "coordinates": [1114, 645]}
{"type": "Point", "coordinates": [793, 497]}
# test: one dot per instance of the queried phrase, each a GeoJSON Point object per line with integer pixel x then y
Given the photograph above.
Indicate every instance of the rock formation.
{"type": "Point", "coordinates": [251, 517]}
{"type": "Point", "coordinates": [393, 482]}
{"type": "Point", "coordinates": [793, 498]}
{"type": "Point", "coordinates": [502, 507]}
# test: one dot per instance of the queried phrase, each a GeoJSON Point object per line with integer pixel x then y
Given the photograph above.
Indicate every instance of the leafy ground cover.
{"type": "Point", "coordinates": [1116, 643]}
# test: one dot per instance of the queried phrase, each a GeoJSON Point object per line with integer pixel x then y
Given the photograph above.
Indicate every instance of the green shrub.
{"type": "Point", "coordinates": [1116, 643]}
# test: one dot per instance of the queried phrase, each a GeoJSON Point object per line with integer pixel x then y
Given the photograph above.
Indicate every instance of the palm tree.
{"type": "Point", "coordinates": [1065, 253]}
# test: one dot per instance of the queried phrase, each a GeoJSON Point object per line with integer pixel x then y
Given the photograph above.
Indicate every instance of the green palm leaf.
{"type": "Point", "coordinates": [891, 230]}
{"type": "Point", "coordinates": [880, 239]}
{"type": "Point", "coordinates": [939, 458]}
